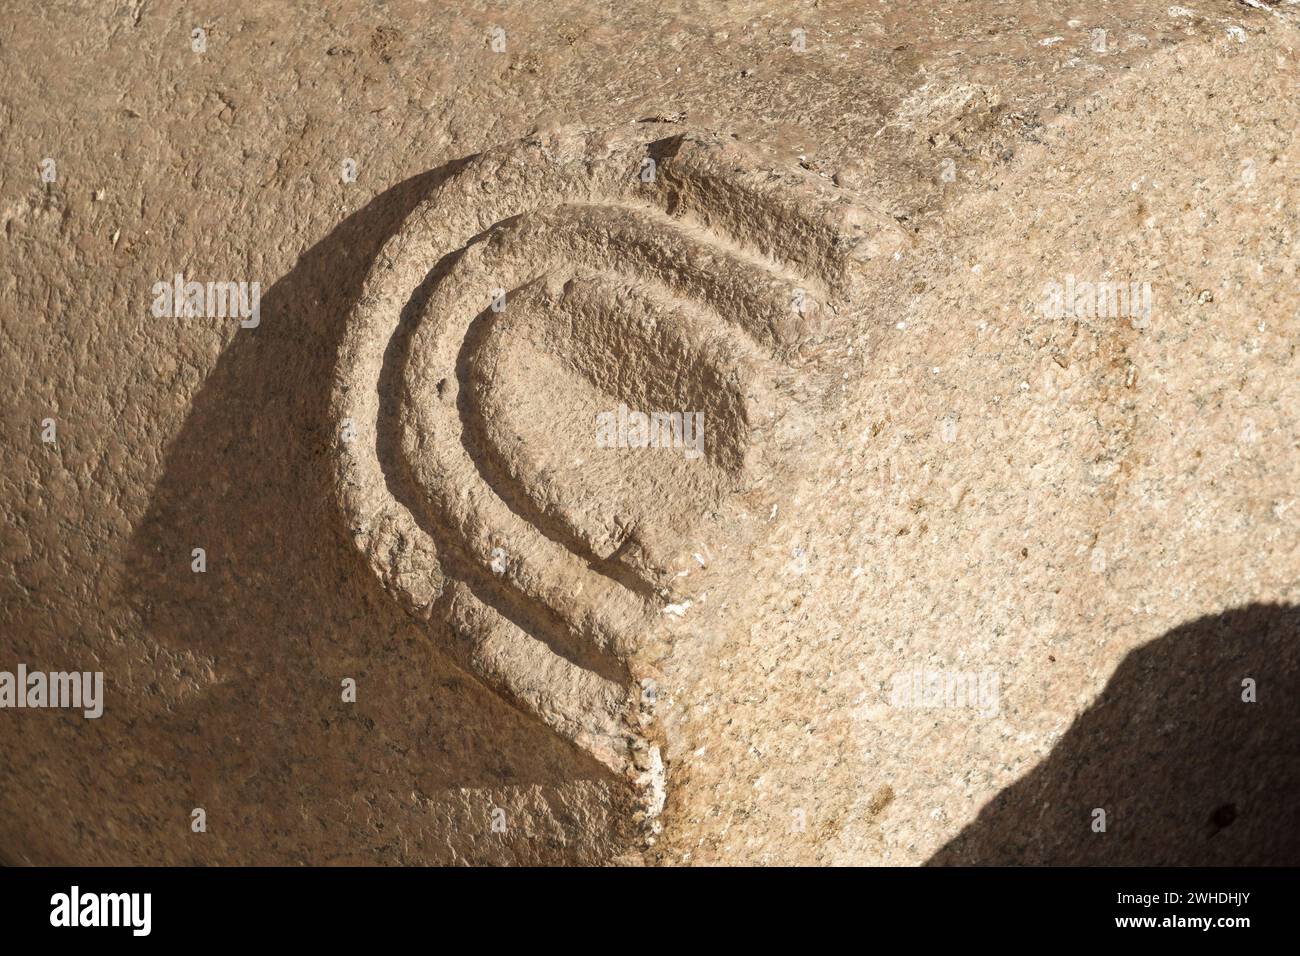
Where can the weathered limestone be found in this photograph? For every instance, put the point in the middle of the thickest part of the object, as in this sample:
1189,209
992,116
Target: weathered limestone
396,574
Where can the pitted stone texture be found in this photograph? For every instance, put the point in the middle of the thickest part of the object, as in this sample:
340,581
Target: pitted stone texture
946,517
580,273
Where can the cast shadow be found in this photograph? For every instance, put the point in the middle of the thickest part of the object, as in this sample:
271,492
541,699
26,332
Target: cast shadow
245,705
1189,774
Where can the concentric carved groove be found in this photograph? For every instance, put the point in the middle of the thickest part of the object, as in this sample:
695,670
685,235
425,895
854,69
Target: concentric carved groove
474,487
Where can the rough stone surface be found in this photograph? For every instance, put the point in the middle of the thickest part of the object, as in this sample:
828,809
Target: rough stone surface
572,654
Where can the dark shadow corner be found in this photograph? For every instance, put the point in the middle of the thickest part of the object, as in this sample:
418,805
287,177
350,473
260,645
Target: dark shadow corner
1188,773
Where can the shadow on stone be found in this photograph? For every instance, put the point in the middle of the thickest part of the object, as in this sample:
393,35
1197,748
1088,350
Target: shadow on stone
245,716
1187,771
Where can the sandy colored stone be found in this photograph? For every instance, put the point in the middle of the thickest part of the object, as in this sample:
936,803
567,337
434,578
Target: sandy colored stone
572,654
